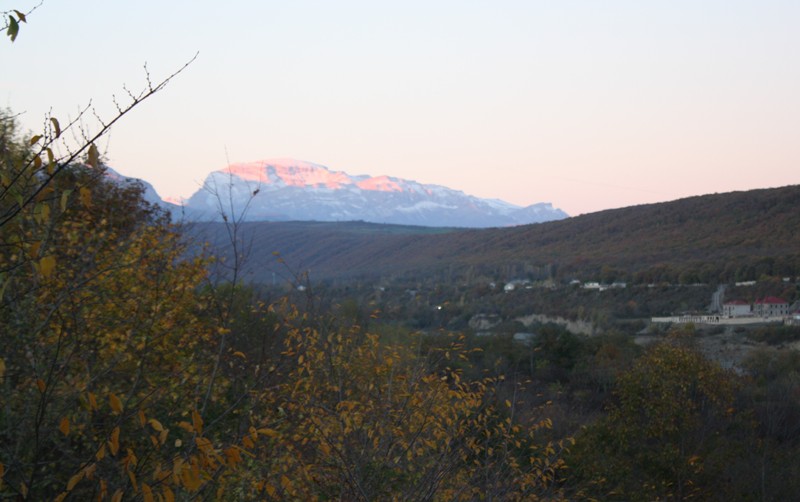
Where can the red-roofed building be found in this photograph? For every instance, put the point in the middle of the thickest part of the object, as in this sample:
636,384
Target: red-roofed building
736,308
771,306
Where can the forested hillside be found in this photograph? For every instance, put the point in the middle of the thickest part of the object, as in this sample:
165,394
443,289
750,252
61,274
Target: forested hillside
710,238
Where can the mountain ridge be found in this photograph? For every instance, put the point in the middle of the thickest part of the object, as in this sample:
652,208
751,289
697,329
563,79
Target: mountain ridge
286,189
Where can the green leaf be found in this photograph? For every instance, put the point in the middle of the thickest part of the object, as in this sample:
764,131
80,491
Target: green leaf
13,28
56,126
35,139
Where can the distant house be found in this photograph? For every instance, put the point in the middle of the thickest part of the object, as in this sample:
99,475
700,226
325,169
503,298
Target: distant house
736,308
771,306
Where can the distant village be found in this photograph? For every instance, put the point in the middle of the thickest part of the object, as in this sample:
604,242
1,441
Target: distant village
769,309
766,310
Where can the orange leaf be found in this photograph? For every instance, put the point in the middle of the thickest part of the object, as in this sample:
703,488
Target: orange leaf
116,404
186,426
63,426
74,481
197,422
155,424
113,443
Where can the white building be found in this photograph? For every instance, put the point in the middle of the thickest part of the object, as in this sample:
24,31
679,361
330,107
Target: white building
771,306
736,308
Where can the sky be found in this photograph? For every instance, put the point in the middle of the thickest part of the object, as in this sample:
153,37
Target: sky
587,105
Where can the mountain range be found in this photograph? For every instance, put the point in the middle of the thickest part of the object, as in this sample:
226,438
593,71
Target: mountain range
293,190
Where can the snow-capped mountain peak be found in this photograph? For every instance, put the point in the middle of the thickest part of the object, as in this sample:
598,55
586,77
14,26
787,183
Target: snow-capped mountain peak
289,189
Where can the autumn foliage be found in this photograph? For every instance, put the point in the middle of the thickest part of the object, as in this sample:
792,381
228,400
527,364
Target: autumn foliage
124,374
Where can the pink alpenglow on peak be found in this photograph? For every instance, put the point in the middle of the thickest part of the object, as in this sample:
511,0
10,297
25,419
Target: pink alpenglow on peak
293,190
178,201
298,173
380,184
289,172
253,171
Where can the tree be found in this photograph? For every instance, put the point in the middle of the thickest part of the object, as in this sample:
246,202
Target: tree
665,435
357,419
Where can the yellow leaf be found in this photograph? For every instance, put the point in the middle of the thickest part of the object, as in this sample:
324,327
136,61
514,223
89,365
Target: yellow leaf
61,497
268,432
35,139
155,424
23,489
85,196
117,497
93,156
116,404
41,385
2,371
56,126
92,401
101,453
147,493
270,490
63,426
168,495
240,354
46,265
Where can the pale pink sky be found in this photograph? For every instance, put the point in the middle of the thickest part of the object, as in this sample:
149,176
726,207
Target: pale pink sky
588,105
